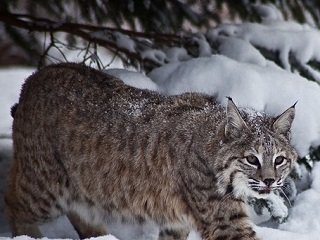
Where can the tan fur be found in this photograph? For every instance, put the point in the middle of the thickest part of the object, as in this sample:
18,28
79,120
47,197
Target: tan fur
89,146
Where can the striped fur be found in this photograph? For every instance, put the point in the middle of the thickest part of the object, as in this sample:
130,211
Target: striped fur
88,146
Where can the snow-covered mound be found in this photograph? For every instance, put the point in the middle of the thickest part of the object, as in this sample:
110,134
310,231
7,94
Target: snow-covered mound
266,89
133,79
305,214
288,39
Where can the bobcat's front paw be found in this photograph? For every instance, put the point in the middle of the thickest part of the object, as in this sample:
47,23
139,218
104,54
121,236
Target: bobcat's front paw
229,233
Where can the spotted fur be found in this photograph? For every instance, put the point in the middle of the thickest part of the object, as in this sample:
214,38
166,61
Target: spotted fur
88,146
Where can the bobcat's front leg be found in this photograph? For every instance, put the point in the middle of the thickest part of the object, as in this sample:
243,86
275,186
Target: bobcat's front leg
224,231
173,234
225,221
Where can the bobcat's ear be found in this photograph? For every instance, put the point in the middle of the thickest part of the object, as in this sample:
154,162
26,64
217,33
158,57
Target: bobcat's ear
283,122
235,124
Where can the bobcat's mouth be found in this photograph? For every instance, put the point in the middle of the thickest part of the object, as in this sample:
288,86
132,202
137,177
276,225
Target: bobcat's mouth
265,191
262,190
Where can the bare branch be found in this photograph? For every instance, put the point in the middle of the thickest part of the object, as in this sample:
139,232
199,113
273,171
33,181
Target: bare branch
46,51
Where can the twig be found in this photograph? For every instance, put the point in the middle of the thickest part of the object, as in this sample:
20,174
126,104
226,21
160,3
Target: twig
112,60
61,52
87,51
46,51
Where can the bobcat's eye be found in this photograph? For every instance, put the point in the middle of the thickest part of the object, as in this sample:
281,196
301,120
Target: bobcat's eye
279,160
253,160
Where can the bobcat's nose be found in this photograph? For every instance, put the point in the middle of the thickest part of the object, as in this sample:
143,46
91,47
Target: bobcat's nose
269,181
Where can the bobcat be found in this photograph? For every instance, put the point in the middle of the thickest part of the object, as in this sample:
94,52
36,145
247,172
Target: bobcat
88,146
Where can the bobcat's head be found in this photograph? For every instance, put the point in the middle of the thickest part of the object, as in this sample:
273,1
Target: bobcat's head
258,151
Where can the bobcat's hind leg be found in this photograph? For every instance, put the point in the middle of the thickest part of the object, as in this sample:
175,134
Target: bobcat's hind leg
173,234
27,207
85,229
30,230
20,222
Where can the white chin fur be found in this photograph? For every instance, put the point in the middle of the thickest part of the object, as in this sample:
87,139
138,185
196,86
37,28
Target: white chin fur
242,190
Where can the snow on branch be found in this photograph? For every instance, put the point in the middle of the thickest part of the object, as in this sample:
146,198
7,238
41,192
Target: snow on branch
125,43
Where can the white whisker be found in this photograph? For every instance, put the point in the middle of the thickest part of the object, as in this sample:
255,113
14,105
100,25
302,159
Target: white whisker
254,185
288,200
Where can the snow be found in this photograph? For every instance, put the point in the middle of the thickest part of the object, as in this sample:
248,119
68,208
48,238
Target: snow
240,50
10,85
176,54
204,46
268,12
274,234
305,214
155,55
263,88
276,35
133,79
125,42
